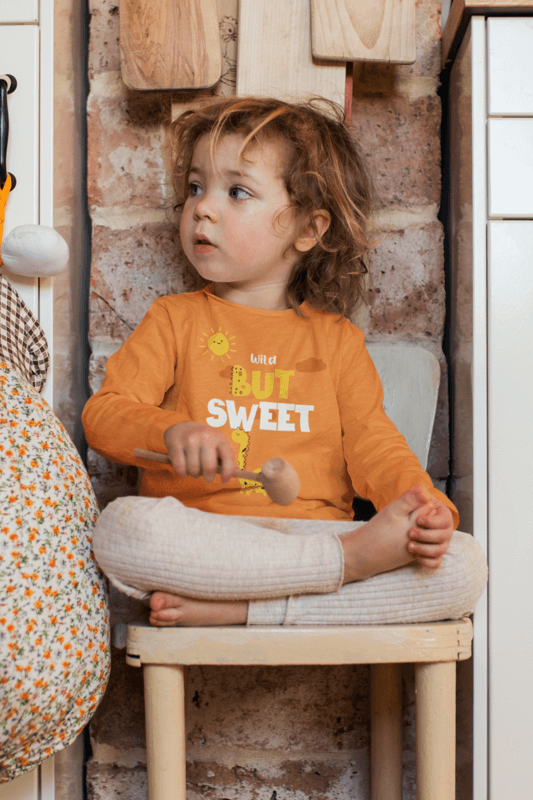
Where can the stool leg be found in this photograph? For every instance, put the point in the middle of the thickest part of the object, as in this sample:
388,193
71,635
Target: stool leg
386,731
164,701
435,730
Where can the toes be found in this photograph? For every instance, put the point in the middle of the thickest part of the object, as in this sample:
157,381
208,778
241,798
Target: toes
166,617
412,500
157,601
162,600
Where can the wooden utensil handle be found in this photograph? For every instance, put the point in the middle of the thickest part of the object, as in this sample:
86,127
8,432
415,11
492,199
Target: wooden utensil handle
152,455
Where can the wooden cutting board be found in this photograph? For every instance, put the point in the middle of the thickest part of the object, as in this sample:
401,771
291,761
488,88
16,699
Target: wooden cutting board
275,56
169,44
364,30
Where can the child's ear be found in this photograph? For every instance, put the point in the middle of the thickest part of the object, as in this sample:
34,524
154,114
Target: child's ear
313,231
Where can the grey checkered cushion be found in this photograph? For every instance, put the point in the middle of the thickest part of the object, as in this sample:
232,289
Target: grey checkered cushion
22,341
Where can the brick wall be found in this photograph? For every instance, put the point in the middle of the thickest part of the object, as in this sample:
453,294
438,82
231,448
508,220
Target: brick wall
261,733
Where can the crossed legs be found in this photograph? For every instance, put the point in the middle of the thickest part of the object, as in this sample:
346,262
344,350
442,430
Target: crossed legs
204,569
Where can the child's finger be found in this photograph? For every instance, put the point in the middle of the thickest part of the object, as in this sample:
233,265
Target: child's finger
192,458
431,563
178,461
226,458
208,460
427,550
430,535
435,517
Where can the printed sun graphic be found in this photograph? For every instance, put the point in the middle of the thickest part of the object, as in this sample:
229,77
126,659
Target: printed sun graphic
218,344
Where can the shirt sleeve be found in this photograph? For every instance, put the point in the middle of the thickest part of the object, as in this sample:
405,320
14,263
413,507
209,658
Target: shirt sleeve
380,464
124,413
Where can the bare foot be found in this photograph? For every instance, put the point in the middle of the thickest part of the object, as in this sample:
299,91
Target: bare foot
172,610
381,544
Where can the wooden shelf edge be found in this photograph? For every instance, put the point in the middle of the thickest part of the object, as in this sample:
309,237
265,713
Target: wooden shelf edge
460,14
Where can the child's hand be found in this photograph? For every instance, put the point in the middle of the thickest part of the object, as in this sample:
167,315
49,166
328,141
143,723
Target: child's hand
196,449
431,537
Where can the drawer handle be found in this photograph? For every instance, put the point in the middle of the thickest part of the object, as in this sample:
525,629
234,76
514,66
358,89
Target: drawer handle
8,84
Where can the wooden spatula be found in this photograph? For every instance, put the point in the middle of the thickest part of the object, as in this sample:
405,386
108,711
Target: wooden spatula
169,44
364,30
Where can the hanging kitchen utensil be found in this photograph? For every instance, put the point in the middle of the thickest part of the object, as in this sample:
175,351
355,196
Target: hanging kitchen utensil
169,44
364,30
8,84
275,58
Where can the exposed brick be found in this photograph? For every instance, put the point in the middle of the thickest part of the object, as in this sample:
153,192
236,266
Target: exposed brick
104,52
125,166
314,777
130,270
119,719
407,291
255,707
399,139
108,782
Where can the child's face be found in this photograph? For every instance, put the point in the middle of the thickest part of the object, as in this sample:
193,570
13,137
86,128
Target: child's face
231,229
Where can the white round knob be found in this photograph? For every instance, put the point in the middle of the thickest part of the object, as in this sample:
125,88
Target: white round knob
35,251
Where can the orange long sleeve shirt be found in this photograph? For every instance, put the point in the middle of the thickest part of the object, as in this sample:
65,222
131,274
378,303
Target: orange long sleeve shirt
276,384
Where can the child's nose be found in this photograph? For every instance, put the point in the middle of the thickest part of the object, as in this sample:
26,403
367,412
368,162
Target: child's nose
205,208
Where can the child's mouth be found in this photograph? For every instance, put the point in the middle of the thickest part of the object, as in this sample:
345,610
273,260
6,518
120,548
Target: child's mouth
202,245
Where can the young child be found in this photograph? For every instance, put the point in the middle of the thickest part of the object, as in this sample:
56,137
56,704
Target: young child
263,362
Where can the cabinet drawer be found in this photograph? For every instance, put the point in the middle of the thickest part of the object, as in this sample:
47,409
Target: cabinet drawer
510,66
510,168
19,11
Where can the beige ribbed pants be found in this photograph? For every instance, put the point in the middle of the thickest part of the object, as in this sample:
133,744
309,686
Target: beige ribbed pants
290,570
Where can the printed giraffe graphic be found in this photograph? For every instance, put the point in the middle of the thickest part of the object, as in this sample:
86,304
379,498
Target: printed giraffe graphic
242,438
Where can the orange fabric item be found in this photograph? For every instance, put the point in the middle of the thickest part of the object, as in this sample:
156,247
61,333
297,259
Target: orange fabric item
4,194
303,389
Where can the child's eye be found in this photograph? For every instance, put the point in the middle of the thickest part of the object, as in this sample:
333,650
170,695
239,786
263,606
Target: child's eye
238,193
194,189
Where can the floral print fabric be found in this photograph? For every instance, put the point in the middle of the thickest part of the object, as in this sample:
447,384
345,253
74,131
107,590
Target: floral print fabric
54,633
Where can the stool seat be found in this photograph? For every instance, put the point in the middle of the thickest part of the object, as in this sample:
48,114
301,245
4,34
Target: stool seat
263,645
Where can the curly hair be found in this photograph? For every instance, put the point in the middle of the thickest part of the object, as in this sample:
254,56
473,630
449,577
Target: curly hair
323,170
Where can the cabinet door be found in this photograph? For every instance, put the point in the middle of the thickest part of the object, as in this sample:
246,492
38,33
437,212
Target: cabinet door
19,56
510,475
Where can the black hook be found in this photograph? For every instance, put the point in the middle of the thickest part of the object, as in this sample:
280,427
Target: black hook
8,84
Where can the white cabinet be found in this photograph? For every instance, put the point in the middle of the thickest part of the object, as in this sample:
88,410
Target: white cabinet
491,239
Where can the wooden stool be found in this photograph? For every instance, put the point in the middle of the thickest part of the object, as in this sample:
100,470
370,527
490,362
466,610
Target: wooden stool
434,648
